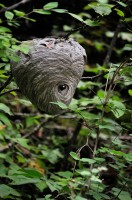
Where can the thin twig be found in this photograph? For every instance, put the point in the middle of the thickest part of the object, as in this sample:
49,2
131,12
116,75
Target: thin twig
94,77
8,91
14,6
7,82
36,128
123,186
112,44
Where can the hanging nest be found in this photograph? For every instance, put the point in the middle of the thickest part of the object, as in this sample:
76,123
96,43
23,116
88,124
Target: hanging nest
50,72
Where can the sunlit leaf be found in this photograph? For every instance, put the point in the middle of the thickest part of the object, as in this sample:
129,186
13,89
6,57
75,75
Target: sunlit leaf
76,16
50,5
60,10
90,22
9,15
5,109
74,155
41,11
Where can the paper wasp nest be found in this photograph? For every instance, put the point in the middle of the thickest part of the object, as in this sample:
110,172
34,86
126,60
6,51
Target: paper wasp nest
50,72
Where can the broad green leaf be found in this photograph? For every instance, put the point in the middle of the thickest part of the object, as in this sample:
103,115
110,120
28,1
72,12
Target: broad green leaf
128,156
4,29
88,116
5,109
74,155
41,11
60,10
60,104
22,141
50,5
6,190
102,9
84,172
51,186
65,174
21,180
76,16
31,173
41,186
87,160
90,22
5,120
117,108
9,15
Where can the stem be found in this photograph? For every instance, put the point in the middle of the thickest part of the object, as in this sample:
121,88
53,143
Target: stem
112,44
8,91
14,6
6,83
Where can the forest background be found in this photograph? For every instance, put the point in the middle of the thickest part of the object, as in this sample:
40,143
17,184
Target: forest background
85,153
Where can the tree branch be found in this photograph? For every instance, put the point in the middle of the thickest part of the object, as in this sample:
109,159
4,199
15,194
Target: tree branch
6,83
14,6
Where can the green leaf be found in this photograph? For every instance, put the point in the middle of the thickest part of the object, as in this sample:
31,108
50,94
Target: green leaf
121,194
51,186
22,142
84,172
130,92
74,155
2,65
5,109
24,48
60,10
50,5
60,104
76,16
65,174
128,19
90,22
122,4
31,173
117,108
87,160
2,5
9,15
21,180
6,190
19,13
5,120
4,29
41,186
119,12
41,11
79,198
102,9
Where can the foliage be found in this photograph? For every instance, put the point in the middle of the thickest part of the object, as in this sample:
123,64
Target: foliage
85,153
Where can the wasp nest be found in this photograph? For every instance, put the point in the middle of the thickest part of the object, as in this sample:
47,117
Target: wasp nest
50,72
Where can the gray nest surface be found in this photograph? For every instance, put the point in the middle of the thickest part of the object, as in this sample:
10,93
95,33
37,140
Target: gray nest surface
50,72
